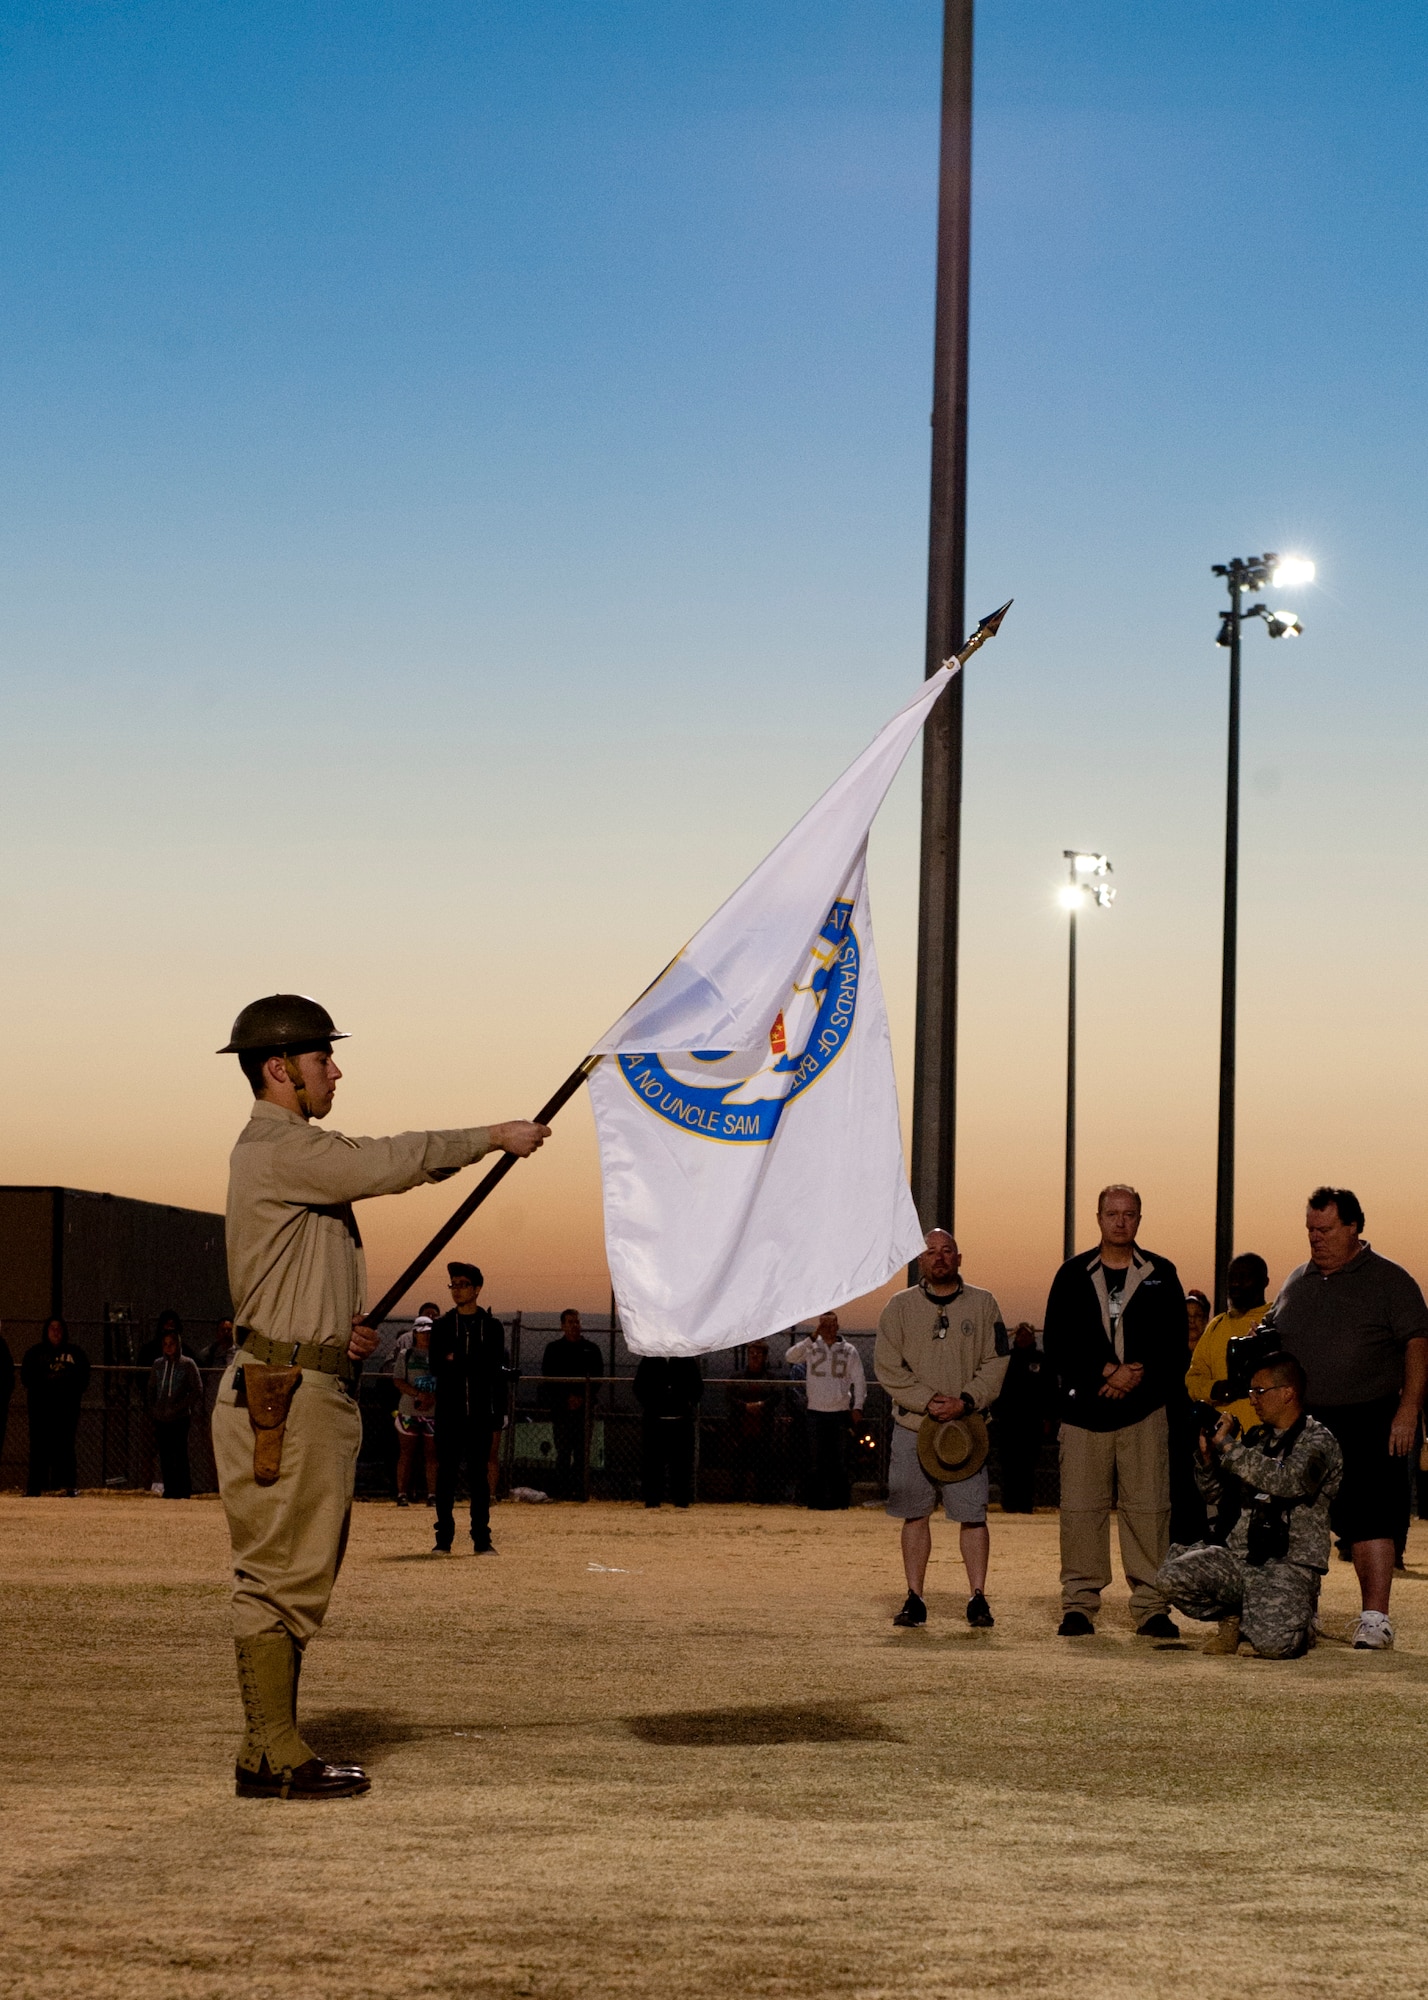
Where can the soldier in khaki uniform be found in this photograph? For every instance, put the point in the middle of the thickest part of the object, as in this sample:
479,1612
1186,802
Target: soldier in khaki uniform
942,1352
286,1425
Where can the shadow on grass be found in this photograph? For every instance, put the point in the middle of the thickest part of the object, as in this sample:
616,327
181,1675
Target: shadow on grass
697,1728
363,1734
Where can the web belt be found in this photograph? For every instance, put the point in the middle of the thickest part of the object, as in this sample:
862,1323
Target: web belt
327,1359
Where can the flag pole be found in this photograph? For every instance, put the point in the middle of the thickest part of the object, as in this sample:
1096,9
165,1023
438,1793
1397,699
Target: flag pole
486,1185
934,1089
987,629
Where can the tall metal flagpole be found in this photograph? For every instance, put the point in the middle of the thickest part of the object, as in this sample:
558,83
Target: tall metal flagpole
1229,968
1068,1207
934,1100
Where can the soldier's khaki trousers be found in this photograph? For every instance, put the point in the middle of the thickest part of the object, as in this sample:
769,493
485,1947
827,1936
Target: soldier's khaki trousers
1129,1468
288,1538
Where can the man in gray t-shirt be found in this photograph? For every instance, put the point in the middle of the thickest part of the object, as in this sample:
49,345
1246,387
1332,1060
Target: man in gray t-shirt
1358,1326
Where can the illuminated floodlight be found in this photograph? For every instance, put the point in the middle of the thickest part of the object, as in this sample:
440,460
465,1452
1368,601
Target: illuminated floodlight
1290,571
1090,864
1071,897
1105,895
1283,625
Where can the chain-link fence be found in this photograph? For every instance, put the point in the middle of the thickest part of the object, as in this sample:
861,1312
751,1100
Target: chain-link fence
750,1439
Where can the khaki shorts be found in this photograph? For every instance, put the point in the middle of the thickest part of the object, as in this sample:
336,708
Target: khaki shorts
912,1495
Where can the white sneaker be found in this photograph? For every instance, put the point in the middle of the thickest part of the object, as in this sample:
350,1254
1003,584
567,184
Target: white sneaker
1373,1633
158,1487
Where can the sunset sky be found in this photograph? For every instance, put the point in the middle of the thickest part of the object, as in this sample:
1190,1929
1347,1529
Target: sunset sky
465,494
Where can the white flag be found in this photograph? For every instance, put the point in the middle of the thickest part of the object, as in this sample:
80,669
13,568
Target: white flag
747,1113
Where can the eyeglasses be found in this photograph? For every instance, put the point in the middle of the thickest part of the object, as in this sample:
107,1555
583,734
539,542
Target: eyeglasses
1274,1389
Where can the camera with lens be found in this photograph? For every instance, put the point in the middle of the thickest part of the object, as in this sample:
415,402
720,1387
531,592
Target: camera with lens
1245,1353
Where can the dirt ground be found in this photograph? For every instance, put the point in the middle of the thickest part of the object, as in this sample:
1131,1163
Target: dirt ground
687,1754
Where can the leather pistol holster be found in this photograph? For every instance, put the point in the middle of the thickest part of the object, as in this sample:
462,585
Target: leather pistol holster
269,1393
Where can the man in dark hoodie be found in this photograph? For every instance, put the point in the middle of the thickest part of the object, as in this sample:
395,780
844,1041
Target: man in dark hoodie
55,1374
1115,1335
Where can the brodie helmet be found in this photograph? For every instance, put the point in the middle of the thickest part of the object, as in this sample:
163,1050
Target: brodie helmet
283,1024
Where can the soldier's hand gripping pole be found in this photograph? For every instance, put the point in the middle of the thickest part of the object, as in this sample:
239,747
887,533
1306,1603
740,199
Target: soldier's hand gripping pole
473,1201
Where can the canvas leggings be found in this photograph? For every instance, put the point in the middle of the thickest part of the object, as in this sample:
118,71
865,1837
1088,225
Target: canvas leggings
1129,1468
1275,1602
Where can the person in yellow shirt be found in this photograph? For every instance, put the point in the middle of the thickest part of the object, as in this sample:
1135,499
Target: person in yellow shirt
1247,1283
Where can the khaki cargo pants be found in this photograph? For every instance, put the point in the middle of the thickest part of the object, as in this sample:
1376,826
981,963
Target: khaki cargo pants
288,1538
1130,1469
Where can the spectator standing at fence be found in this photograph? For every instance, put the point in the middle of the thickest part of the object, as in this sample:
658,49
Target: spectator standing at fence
669,1390
224,1346
7,1388
1280,1481
1021,1417
415,1414
1358,1327
172,1395
168,1321
1197,1316
430,1312
1246,1282
1115,1334
470,1363
570,1401
941,1354
55,1374
835,1385
755,1407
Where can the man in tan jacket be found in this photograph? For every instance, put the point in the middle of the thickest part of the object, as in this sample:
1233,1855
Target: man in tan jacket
941,1351
286,1425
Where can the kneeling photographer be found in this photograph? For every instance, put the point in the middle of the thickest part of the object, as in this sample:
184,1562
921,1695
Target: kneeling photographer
1279,1481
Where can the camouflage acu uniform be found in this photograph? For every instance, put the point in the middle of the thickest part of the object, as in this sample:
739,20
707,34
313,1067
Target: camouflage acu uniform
1267,1573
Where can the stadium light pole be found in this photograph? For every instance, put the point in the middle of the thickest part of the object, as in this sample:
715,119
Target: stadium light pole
1245,576
934,1093
1086,887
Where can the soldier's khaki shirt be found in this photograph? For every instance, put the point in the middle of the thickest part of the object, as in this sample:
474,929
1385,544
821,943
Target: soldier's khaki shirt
914,1365
295,1263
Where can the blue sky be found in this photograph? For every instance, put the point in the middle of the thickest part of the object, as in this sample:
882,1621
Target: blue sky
466,476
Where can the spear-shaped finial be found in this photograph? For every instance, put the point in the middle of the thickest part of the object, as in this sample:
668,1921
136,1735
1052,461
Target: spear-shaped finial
988,629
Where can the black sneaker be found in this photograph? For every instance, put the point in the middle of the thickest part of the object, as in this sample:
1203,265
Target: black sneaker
486,1548
1075,1625
1158,1626
402,1500
914,1611
979,1612
442,1549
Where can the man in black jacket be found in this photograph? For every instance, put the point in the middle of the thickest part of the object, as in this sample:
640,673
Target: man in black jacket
669,1390
1115,1335
470,1365
568,1364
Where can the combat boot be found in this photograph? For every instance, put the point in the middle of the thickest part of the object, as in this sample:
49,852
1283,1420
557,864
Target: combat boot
1227,1639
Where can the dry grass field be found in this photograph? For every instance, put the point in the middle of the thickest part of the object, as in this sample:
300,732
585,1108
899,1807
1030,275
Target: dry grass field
687,1755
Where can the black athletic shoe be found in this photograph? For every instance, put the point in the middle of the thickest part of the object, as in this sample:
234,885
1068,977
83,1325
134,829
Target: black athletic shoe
402,1500
442,1549
1075,1625
486,1548
979,1612
1158,1627
914,1611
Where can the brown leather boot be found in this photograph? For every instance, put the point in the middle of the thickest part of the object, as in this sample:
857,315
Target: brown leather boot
1226,1640
312,1780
